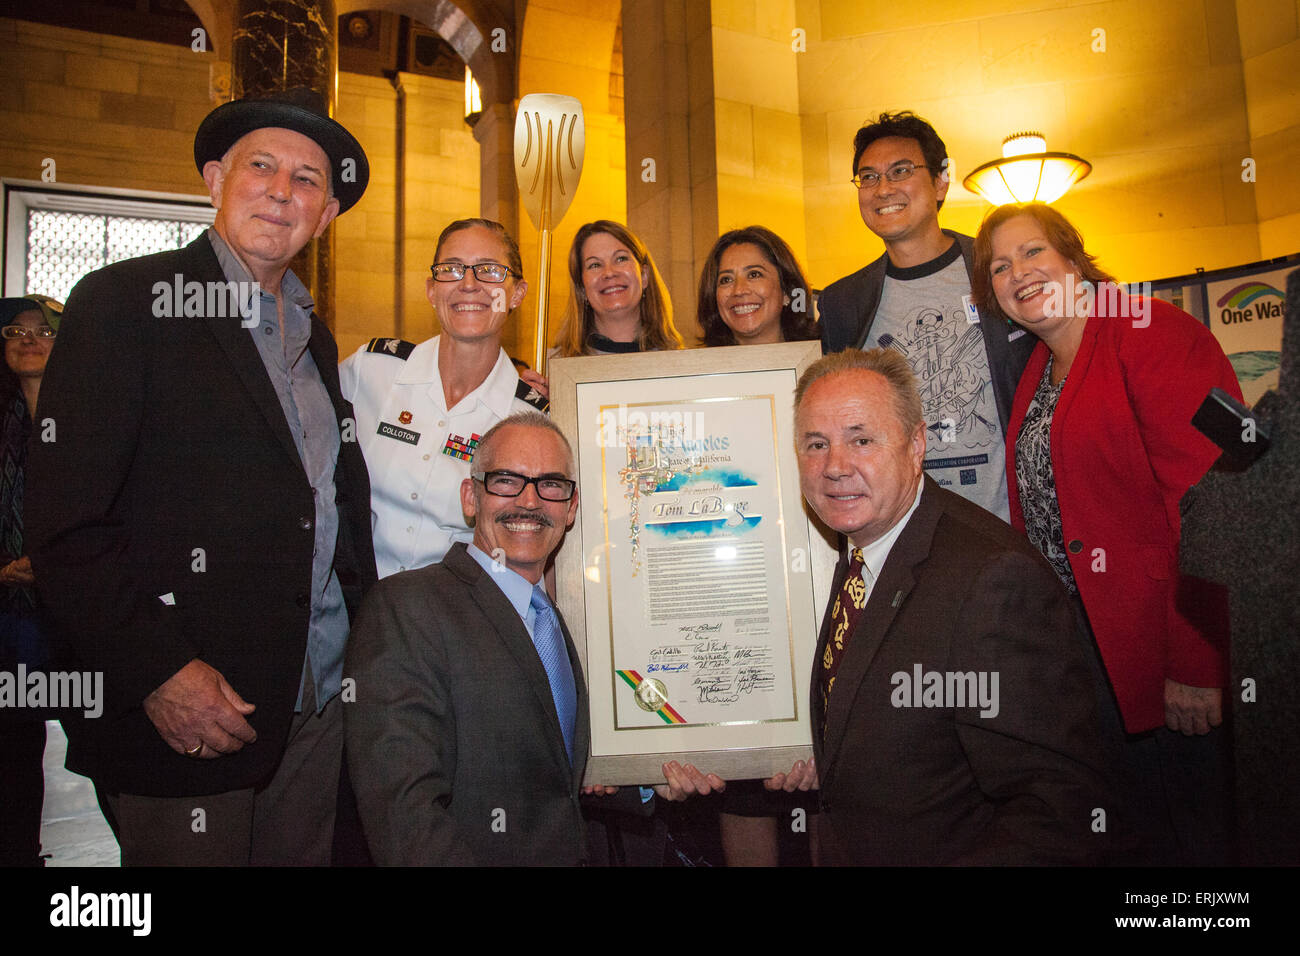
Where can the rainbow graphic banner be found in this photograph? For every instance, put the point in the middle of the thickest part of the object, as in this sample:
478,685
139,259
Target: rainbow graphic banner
1246,318
1240,296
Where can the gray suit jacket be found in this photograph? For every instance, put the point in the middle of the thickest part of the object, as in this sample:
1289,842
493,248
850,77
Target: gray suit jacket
452,741
961,592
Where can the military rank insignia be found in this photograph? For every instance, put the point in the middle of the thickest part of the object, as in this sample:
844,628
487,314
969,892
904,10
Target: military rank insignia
526,393
399,348
458,447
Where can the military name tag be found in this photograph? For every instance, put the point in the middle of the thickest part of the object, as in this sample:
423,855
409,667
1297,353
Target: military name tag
401,434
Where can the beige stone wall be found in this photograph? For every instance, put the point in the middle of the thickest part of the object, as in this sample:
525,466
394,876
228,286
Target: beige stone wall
672,183
368,295
109,111
1184,92
757,119
1269,32
568,48
122,113
1165,114
413,194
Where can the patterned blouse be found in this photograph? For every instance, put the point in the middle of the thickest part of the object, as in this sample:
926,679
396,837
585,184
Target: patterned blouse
1037,486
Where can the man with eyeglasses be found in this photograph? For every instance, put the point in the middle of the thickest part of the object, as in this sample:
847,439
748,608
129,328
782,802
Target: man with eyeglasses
916,299
421,410
468,737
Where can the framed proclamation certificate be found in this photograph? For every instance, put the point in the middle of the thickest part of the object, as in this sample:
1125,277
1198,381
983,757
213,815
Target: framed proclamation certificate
687,580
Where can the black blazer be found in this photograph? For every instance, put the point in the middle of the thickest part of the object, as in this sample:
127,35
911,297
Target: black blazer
171,471
961,592
453,743
847,308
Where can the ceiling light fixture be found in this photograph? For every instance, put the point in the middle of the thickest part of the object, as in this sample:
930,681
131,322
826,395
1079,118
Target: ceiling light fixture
1027,172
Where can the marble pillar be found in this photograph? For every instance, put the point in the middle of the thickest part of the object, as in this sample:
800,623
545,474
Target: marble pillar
277,45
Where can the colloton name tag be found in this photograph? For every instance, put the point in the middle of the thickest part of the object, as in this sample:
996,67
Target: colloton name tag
401,434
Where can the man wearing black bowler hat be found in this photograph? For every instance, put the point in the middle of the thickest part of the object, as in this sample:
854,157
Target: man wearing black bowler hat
199,514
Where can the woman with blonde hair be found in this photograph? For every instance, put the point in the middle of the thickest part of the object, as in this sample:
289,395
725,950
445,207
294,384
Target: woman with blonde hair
618,301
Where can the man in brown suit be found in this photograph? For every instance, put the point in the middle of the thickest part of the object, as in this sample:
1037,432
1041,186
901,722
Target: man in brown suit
952,698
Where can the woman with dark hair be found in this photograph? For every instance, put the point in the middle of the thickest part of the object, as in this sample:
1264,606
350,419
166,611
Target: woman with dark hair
752,291
420,408
28,326
1100,450
618,301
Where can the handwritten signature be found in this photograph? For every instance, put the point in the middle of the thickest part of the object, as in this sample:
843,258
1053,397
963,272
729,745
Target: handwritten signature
668,668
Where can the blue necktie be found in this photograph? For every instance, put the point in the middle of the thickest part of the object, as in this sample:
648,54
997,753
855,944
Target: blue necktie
549,641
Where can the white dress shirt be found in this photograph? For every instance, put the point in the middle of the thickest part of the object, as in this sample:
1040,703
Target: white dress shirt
407,435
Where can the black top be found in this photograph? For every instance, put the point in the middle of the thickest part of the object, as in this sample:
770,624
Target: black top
599,343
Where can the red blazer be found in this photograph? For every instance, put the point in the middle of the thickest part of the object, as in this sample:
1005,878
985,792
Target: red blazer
1124,452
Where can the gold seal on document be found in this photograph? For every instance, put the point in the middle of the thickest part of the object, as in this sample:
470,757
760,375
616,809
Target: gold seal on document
651,694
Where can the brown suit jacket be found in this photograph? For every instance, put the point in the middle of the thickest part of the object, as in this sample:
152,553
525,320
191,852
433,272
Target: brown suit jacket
961,592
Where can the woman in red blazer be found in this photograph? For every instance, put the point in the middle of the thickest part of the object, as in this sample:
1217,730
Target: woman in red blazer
1100,450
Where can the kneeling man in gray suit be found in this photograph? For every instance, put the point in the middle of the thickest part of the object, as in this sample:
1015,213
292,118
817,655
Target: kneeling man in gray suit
468,735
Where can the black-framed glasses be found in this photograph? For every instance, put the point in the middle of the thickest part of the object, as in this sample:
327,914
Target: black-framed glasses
21,332
506,484
483,271
896,173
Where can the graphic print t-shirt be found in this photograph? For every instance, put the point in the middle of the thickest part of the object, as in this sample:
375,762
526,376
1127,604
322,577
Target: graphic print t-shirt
924,314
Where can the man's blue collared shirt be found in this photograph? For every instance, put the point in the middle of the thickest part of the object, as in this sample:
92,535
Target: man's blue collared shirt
314,426
512,584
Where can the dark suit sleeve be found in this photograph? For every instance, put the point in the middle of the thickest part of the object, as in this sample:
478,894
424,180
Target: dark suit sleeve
400,731
78,511
1038,759
832,319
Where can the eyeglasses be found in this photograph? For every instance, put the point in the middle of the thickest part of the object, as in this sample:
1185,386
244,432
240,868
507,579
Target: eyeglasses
506,484
21,331
895,174
483,271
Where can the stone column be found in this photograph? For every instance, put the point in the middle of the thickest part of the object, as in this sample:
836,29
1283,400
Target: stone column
672,170
277,45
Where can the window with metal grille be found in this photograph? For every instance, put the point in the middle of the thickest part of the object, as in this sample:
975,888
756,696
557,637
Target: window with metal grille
64,246
53,237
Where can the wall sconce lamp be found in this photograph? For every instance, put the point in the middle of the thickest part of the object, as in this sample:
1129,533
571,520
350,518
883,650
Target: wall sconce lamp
473,99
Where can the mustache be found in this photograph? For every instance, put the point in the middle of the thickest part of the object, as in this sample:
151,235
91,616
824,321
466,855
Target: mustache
540,517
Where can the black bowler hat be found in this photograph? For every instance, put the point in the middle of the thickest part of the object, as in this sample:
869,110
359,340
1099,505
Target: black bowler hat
300,109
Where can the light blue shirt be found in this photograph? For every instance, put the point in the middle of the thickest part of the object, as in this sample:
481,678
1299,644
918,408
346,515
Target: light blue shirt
310,416
516,588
